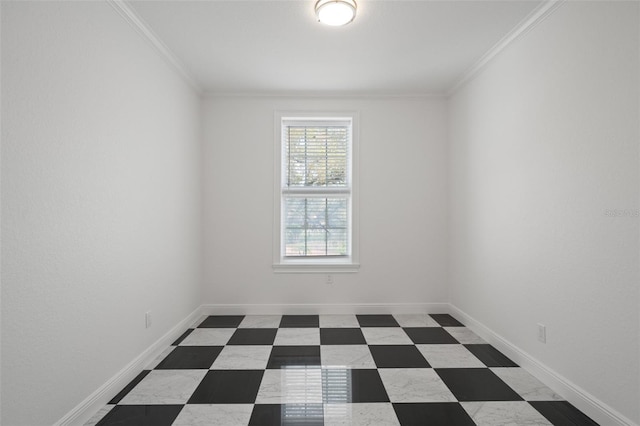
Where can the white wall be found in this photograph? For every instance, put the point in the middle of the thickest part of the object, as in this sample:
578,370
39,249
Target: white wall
101,210
402,204
543,142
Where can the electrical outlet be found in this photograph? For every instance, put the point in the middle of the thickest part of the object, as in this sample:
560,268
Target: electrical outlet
542,333
147,319
329,279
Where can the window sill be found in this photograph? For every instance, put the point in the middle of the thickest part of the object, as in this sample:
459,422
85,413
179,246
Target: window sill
315,268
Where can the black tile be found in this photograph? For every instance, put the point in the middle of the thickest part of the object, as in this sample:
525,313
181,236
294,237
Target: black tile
341,336
130,386
398,356
222,321
377,321
300,321
446,320
432,414
228,387
253,336
429,335
476,384
342,385
190,357
141,415
294,356
490,356
181,338
562,413
287,415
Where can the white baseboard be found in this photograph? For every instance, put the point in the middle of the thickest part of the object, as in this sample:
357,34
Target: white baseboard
325,309
581,399
98,399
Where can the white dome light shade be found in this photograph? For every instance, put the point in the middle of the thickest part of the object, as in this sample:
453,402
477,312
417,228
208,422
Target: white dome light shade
336,12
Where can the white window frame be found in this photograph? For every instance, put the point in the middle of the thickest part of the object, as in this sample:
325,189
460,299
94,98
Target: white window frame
342,264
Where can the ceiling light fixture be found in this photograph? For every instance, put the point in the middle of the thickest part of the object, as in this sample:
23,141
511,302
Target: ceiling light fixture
336,12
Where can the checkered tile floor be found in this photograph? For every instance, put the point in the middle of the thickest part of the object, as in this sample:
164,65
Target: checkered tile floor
335,370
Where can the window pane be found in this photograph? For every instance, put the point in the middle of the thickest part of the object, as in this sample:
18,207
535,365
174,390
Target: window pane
316,213
316,226
337,213
295,242
337,242
316,156
295,212
316,242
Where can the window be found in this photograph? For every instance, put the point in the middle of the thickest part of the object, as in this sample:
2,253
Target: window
315,229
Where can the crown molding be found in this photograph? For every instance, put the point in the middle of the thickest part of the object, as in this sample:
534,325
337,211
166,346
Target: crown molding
145,31
538,15
527,24
325,95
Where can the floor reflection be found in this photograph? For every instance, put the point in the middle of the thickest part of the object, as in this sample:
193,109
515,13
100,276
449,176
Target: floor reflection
301,414
301,384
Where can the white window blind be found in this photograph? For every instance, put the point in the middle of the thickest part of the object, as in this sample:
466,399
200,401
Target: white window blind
316,188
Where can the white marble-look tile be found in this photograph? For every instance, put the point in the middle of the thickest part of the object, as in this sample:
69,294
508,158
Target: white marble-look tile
364,414
165,387
415,320
349,356
339,321
386,336
99,415
157,360
208,337
297,336
242,357
527,386
449,356
291,385
464,335
214,415
504,413
261,321
415,385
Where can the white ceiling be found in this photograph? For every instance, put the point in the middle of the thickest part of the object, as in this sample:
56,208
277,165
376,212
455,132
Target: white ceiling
392,47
